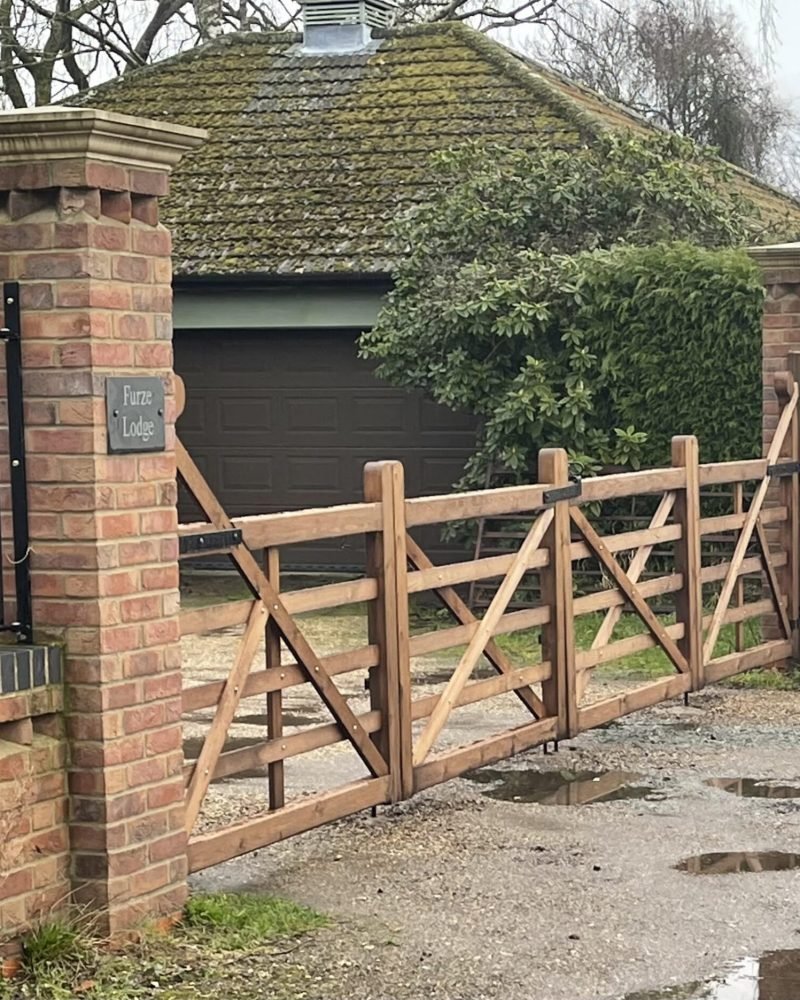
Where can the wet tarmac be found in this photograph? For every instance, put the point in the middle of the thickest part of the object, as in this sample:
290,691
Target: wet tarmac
559,788
755,788
732,862
775,976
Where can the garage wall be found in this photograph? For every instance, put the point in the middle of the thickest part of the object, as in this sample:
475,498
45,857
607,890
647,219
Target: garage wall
285,419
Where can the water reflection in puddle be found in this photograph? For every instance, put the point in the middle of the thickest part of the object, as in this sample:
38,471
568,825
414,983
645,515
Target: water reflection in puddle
776,976
755,788
729,862
559,788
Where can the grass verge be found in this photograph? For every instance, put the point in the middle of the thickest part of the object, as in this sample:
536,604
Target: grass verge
230,945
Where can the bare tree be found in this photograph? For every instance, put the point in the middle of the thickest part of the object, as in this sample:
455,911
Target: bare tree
50,48
682,64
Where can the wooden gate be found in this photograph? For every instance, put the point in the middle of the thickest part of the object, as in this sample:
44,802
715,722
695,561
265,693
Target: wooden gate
406,737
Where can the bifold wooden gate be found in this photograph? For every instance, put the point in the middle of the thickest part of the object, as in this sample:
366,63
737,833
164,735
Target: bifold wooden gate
405,737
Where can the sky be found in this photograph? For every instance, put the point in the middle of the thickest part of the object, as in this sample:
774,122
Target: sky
785,54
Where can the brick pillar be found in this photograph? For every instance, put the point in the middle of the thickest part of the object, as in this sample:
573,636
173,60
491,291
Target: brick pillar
780,336
79,229
781,326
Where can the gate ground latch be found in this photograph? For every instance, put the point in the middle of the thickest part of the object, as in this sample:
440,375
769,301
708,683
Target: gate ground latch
780,469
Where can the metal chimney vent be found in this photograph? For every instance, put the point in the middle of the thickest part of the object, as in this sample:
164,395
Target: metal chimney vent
343,25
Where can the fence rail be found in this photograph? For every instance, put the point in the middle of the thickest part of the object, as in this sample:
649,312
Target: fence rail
404,735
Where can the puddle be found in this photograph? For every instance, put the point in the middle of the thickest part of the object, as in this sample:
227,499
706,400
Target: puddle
755,788
729,862
559,788
289,719
775,976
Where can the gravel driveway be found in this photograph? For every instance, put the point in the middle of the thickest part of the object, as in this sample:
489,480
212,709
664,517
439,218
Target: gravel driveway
460,896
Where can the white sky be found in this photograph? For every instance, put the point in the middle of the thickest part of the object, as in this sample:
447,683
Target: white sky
787,50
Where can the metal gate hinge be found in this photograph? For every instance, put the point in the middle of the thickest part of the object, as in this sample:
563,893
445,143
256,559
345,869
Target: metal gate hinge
783,469
209,541
568,492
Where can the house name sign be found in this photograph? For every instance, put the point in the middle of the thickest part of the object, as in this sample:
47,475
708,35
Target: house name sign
135,414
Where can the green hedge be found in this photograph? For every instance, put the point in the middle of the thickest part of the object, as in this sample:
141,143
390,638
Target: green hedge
679,330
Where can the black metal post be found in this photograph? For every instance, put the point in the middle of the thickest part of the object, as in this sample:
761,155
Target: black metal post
23,624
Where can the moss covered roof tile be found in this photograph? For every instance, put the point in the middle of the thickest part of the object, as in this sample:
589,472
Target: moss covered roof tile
309,158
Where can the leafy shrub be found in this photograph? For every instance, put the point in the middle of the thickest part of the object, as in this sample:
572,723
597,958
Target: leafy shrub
589,300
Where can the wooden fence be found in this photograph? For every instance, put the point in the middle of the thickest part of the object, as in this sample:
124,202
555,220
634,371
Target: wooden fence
403,737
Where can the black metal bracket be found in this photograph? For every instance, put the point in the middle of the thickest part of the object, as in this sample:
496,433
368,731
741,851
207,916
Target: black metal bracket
11,331
569,492
793,624
209,541
783,469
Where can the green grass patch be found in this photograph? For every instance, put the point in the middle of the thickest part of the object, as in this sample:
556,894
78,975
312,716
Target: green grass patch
239,920
766,680
223,948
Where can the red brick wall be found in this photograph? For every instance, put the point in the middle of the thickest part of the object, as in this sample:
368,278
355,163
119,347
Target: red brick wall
34,832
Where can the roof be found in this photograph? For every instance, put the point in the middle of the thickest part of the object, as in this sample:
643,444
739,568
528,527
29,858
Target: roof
309,158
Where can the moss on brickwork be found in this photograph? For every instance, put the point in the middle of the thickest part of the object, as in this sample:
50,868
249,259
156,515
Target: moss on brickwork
309,158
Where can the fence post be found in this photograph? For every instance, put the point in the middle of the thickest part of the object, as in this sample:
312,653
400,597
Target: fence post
689,600
272,656
390,680
559,693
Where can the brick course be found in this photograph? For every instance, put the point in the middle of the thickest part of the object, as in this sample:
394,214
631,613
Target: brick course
34,834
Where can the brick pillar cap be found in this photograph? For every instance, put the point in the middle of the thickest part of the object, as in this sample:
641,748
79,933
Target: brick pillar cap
779,254
50,134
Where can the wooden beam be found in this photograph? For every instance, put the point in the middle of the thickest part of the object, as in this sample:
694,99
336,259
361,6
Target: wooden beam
721,473
290,675
559,693
445,638
272,656
451,763
478,503
689,599
483,634
264,531
226,709
629,590
632,701
241,838
757,656
629,484
772,581
749,527
493,653
390,681
635,570
290,633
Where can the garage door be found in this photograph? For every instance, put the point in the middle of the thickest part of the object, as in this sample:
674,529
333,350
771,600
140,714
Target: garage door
279,420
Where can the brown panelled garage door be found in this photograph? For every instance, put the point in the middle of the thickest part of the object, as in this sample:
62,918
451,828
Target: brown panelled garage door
279,420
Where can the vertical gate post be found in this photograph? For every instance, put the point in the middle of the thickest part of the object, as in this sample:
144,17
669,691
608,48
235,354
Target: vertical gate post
559,693
789,532
390,681
80,233
689,599
272,655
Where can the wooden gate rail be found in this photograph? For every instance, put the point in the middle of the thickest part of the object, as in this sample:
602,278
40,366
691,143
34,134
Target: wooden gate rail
404,737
